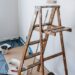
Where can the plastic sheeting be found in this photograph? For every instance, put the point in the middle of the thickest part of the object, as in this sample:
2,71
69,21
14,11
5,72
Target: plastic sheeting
3,65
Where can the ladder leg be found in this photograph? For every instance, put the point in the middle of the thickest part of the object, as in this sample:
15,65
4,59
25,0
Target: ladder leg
41,42
47,35
64,55
62,43
27,43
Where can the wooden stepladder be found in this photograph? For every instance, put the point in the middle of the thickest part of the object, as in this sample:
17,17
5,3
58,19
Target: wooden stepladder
47,29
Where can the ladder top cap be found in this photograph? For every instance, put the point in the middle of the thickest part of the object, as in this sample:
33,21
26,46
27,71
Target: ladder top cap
48,6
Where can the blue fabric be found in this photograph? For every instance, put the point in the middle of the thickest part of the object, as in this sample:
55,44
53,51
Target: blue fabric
14,43
3,65
30,51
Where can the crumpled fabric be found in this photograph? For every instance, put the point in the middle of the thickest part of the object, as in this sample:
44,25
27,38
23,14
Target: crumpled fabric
3,65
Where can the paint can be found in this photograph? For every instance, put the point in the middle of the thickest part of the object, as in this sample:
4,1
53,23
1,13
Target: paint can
5,48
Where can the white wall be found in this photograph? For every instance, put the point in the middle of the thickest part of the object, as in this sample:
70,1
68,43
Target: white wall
8,19
26,9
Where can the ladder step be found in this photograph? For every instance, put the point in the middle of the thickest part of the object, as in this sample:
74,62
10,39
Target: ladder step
33,55
63,29
54,29
45,24
33,65
30,66
45,59
53,56
48,6
59,29
35,42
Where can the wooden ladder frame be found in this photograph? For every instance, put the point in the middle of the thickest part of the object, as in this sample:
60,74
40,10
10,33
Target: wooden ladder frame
42,41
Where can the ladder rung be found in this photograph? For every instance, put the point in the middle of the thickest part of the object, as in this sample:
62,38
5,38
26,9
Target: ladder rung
33,65
53,56
63,29
37,41
46,24
58,29
48,6
33,55
45,59
54,29
51,30
30,66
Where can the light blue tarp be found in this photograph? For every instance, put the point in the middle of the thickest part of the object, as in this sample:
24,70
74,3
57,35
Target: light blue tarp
3,65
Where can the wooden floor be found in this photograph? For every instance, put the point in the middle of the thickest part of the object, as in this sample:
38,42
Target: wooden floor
17,53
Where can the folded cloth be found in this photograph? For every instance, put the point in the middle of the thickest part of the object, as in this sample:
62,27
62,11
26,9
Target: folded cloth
3,65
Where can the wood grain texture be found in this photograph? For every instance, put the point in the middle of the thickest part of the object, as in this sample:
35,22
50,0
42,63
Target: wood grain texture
51,29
